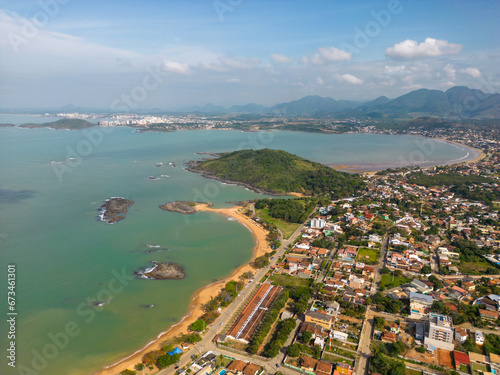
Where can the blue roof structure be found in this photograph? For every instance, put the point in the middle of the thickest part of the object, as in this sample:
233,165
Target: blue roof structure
175,351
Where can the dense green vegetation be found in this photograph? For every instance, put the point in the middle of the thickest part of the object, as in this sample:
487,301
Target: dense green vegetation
279,338
387,304
267,322
384,365
291,210
198,326
225,297
492,344
280,172
301,298
285,227
471,253
167,360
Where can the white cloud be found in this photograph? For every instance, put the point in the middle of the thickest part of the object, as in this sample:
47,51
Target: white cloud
473,72
327,55
450,71
349,78
57,53
282,59
332,54
227,63
397,69
234,80
176,67
410,49
320,81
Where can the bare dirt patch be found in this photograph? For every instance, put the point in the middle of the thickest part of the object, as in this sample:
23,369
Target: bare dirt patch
445,359
422,357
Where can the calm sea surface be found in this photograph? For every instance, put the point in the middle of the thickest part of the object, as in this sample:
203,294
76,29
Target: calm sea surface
52,183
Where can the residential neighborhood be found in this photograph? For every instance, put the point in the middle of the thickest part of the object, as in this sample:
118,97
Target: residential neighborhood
403,278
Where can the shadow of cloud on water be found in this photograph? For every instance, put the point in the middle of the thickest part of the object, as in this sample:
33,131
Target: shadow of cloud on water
13,196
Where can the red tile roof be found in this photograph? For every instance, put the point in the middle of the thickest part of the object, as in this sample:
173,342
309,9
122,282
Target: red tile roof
461,358
236,365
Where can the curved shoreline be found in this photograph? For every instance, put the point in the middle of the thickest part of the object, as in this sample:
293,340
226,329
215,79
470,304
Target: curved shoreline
374,168
200,296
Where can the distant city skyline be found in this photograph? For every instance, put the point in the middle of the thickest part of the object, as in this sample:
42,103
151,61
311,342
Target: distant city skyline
175,54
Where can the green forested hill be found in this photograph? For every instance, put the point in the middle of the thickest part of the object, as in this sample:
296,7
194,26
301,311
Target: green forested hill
279,172
73,124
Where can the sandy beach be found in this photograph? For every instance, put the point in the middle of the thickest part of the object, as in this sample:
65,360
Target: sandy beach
201,296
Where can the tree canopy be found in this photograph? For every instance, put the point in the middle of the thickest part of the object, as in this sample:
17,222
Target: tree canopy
280,172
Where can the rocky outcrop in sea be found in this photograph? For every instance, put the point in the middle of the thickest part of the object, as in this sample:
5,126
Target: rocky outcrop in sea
114,209
164,271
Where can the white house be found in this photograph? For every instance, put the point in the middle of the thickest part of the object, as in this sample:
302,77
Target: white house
479,337
318,223
339,335
461,335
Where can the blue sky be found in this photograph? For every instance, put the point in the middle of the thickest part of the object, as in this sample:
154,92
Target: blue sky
91,53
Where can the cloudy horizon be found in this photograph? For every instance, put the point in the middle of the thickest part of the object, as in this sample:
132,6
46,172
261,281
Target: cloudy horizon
175,54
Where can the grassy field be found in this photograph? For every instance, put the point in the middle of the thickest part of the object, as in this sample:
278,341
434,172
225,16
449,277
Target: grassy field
386,224
388,283
285,280
286,228
409,371
368,256
473,268
478,368
335,359
334,350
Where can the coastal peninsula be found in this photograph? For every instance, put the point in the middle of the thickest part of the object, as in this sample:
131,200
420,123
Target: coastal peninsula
69,124
276,172
114,209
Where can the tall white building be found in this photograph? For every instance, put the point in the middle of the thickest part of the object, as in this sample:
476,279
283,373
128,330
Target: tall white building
318,223
440,333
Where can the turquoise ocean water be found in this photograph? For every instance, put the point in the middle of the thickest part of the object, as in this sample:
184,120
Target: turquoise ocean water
65,258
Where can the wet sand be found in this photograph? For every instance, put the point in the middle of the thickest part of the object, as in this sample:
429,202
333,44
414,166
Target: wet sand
201,296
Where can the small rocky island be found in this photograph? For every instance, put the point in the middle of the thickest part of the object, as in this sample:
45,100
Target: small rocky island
114,209
164,271
183,207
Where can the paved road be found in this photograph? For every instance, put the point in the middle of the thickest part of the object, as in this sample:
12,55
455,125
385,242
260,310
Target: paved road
366,332
207,344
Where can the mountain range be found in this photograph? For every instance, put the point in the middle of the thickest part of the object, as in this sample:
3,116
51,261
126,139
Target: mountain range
458,101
